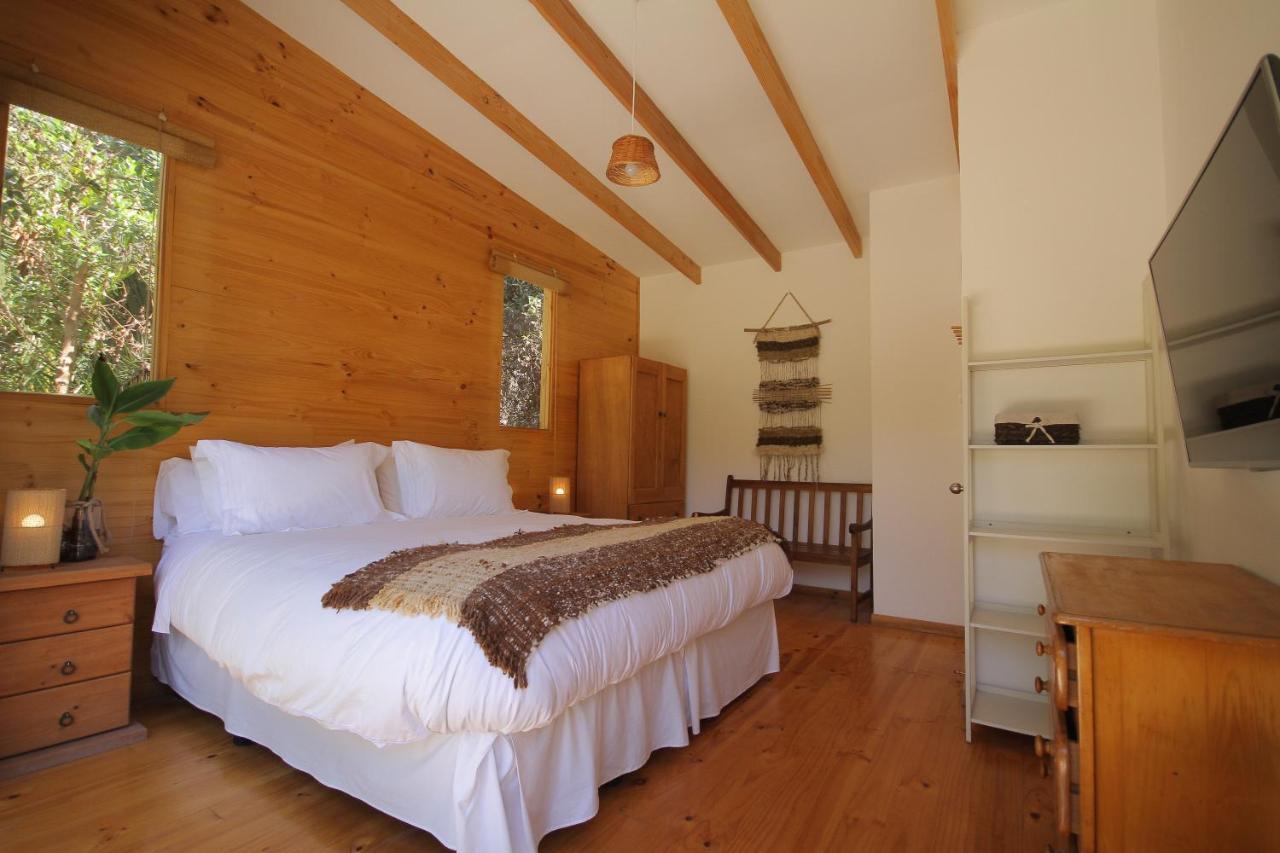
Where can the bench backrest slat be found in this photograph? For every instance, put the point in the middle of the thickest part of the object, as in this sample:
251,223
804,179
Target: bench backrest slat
814,515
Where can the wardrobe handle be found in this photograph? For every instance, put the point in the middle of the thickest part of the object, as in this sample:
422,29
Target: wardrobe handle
66,719
70,616
68,667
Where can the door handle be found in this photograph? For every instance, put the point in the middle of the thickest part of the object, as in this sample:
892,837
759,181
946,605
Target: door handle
956,488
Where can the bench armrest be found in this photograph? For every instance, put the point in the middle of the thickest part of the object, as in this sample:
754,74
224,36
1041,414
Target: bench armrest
860,528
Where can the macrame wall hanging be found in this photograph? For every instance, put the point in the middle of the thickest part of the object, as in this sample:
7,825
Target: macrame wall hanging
790,397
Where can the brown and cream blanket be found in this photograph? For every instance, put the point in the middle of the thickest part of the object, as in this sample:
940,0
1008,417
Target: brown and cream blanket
510,592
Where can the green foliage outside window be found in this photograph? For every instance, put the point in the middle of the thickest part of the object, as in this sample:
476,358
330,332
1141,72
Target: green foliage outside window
78,240
523,347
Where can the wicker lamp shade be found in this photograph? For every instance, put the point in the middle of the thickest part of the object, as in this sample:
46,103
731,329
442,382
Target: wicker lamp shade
32,532
633,163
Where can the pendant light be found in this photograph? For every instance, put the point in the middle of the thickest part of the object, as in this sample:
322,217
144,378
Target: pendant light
633,163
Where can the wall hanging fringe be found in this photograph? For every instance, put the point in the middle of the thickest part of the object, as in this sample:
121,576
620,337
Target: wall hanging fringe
790,397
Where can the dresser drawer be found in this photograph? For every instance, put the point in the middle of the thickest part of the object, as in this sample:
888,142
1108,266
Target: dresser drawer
46,717
29,613
54,661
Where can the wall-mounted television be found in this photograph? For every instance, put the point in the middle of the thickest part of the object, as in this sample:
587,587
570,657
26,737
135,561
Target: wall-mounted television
1217,284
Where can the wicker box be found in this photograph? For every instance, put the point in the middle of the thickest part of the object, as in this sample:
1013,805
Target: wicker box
1251,405
1037,428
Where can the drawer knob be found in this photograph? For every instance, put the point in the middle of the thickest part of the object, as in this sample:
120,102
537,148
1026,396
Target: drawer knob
67,668
71,616
1041,685
1039,609
1040,649
66,719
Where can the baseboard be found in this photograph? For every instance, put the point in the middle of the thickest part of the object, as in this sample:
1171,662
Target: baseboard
825,592
922,625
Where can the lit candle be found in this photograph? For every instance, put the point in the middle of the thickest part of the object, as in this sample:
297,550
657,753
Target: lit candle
561,501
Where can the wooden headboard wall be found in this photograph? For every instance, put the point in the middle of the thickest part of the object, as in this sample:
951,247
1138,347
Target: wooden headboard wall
327,279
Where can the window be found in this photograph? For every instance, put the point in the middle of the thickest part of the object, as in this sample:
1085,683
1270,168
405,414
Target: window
78,247
526,354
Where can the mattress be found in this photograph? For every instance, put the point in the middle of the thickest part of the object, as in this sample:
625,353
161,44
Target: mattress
251,604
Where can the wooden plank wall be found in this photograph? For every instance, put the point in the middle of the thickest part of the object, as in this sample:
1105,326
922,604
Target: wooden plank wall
327,279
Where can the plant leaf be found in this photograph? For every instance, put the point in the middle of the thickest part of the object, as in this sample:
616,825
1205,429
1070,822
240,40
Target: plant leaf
155,417
96,417
89,447
142,436
142,394
105,385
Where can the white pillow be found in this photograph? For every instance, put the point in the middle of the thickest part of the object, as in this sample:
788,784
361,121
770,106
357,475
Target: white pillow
438,482
389,483
269,489
179,505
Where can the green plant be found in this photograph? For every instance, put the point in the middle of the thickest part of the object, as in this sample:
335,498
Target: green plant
118,406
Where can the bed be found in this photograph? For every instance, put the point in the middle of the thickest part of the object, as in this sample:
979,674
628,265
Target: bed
406,713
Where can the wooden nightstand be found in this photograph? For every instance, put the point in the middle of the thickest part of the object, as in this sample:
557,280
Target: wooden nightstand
66,651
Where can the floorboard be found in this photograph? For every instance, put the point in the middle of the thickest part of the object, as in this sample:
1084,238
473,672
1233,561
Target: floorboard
857,744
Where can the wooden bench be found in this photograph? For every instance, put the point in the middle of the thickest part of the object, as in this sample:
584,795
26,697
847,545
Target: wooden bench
829,522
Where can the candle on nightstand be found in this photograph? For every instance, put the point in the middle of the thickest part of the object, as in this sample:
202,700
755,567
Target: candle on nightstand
32,532
560,499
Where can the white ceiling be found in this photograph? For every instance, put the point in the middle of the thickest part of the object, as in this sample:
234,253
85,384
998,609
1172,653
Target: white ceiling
976,13
867,74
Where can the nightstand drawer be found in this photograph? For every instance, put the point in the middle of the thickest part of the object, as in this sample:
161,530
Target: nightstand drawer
46,717
67,659
46,611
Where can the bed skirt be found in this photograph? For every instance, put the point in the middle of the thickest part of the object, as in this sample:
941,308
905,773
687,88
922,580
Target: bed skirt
497,792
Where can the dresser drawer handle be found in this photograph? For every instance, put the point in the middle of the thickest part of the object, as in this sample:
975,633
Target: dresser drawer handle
1040,610
1040,649
71,616
68,667
1041,685
66,719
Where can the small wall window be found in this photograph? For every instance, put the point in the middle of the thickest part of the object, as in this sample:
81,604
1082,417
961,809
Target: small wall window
78,252
527,311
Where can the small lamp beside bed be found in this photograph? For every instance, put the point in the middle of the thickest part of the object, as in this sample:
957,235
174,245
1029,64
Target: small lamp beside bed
560,496
32,533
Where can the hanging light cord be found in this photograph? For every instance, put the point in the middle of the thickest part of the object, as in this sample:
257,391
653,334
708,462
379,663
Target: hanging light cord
635,49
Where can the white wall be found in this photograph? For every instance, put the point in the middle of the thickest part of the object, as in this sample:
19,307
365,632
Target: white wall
699,327
916,430
1062,188
1207,51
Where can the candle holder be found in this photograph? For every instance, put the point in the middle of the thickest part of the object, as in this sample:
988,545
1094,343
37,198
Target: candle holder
32,533
560,496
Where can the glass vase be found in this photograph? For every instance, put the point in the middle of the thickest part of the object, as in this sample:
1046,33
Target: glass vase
84,532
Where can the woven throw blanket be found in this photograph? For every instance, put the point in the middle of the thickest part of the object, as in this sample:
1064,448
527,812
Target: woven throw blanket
510,592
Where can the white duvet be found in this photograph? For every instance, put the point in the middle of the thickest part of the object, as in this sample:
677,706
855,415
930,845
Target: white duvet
252,603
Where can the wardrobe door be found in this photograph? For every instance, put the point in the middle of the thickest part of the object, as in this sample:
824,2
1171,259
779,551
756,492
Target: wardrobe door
671,418
646,432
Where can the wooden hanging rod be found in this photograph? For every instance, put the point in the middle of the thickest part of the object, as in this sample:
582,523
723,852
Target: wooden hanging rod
811,323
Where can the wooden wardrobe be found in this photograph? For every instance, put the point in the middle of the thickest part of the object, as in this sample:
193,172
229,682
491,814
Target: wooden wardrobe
631,438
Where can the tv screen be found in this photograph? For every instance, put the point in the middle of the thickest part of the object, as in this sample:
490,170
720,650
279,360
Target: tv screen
1217,283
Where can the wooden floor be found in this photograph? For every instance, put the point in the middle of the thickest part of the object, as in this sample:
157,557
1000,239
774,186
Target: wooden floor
856,744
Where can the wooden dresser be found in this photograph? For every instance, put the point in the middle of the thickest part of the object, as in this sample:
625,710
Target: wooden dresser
1165,693
631,438
66,649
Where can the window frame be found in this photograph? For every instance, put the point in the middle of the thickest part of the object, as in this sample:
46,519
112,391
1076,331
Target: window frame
546,385
164,218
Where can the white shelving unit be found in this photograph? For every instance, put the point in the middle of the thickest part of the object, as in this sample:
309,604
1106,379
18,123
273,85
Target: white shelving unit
1024,499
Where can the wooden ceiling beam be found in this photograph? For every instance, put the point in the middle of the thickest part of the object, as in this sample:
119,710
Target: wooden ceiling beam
746,29
406,34
604,63
947,34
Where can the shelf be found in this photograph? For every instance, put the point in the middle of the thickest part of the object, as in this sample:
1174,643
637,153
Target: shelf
1084,445
1048,533
1099,357
1011,620
1025,713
